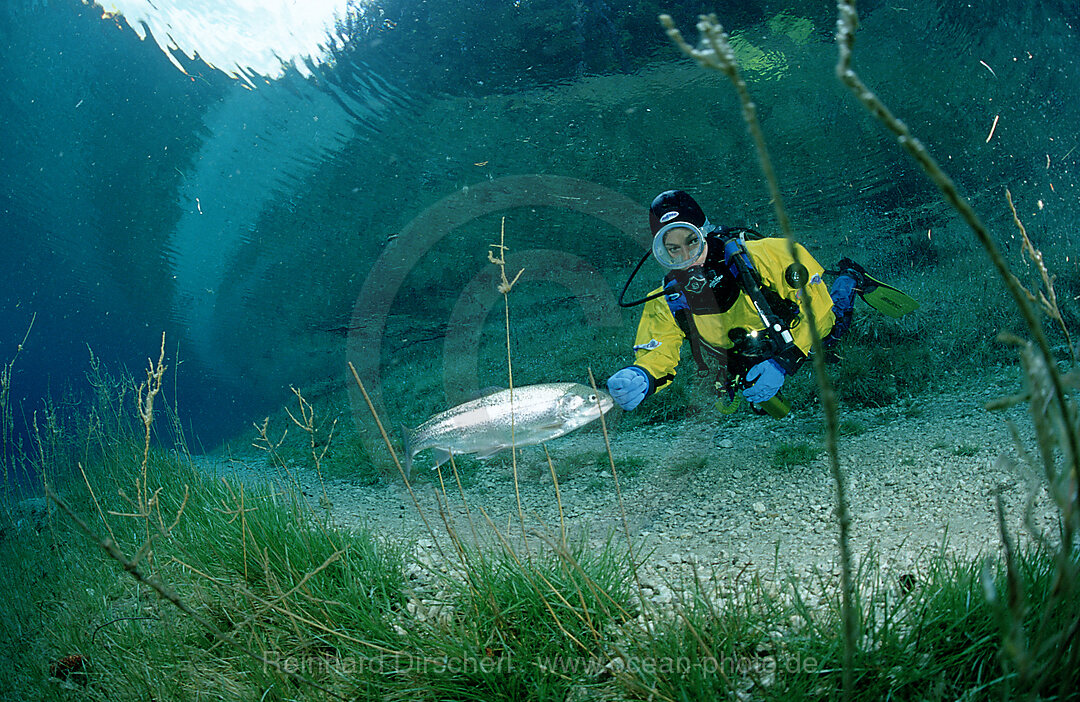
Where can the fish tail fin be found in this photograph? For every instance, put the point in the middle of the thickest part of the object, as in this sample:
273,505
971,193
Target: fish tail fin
406,449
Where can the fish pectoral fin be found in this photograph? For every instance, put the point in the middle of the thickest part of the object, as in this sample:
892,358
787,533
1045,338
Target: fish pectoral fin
441,456
487,453
553,425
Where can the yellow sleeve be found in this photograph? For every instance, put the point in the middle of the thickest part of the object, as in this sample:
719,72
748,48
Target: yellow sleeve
772,258
658,341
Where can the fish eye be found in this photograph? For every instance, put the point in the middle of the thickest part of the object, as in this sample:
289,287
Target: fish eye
592,398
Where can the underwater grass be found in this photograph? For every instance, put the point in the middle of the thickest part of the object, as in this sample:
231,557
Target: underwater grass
851,427
789,455
335,613
252,561
529,629
934,634
278,603
708,648
561,624
312,436
1055,416
930,635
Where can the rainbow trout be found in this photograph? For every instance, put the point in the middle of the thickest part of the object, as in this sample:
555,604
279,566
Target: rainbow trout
483,426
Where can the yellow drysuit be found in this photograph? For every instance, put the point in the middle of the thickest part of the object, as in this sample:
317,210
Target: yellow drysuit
659,337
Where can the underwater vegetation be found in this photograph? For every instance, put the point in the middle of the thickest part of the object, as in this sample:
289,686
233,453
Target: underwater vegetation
149,575
136,573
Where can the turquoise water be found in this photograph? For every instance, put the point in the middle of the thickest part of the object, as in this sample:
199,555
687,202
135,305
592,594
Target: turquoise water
278,217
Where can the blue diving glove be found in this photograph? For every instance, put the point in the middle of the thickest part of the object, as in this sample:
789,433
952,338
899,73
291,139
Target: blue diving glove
843,296
629,387
766,378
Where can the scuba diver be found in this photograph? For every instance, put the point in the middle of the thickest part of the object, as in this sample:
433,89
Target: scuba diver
736,297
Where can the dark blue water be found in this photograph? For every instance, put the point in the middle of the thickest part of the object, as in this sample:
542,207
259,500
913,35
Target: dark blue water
252,213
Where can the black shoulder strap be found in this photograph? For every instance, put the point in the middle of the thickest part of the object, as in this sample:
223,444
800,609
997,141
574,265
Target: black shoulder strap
776,328
685,319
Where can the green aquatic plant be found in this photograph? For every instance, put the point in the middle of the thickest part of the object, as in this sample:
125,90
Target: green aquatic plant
262,598
711,649
13,459
851,427
310,437
882,362
1055,419
716,54
687,467
789,455
629,466
549,620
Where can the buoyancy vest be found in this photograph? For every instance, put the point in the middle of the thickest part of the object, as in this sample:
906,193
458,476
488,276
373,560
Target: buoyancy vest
713,288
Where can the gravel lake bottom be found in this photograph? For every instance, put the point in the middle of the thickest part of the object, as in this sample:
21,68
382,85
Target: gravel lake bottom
708,496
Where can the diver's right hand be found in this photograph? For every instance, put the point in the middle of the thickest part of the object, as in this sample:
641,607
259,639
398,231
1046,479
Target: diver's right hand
629,387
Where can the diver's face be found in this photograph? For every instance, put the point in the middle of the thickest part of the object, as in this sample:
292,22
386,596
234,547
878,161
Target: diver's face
681,244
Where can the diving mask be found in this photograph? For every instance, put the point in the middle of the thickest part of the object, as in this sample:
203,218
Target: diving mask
678,245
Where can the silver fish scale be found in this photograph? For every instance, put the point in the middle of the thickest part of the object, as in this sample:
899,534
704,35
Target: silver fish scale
483,426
